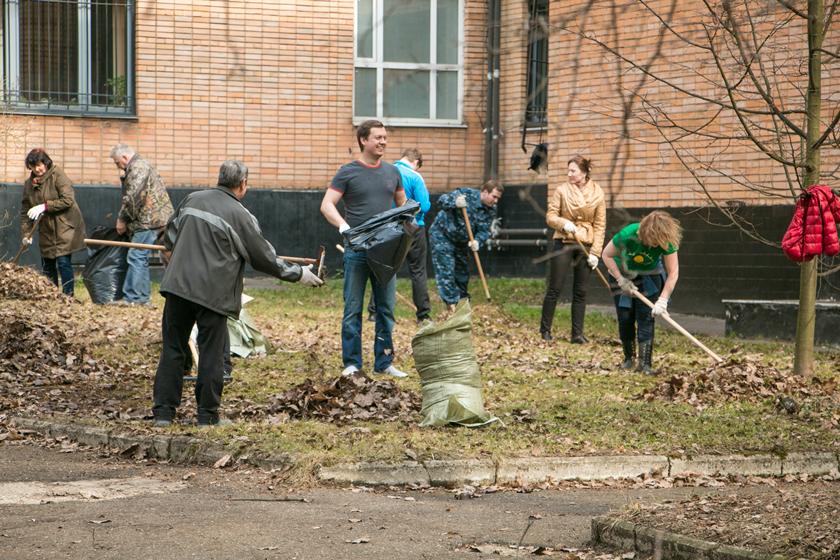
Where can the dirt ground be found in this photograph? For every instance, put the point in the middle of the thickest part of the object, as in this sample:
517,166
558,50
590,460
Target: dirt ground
798,519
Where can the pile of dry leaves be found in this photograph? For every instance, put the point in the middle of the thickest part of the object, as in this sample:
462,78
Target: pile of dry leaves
17,282
794,520
741,379
343,400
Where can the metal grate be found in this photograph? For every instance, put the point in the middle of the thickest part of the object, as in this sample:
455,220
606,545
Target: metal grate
537,90
68,56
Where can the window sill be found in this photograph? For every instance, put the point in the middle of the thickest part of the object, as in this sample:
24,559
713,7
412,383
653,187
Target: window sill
67,113
411,123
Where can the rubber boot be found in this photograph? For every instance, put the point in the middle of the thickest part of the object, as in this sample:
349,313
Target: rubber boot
547,318
629,347
645,356
578,315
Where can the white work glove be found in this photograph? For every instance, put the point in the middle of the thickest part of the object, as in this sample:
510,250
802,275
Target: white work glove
660,307
473,245
460,201
27,241
569,227
36,211
593,261
343,227
309,278
626,285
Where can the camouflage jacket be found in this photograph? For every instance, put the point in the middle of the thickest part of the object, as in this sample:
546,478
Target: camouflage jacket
145,202
450,219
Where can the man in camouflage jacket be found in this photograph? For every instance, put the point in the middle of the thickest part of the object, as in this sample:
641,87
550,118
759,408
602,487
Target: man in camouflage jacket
144,211
449,240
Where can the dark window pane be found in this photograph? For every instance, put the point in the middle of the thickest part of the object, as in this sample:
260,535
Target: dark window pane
406,94
537,91
365,92
406,30
108,54
49,51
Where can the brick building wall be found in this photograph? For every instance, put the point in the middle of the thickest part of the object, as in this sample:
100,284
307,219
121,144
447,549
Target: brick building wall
267,82
633,165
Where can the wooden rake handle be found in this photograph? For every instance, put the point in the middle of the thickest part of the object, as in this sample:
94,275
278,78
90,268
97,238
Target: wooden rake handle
475,254
666,316
109,243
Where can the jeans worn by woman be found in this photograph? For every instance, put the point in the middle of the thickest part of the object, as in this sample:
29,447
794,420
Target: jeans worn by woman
62,266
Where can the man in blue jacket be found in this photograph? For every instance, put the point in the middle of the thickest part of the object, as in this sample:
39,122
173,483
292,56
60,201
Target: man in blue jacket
415,189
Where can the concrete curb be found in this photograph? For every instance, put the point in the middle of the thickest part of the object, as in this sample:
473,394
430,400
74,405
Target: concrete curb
163,447
451,473
624,535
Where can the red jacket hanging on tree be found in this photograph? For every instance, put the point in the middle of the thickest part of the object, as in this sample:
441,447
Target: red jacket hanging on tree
813,229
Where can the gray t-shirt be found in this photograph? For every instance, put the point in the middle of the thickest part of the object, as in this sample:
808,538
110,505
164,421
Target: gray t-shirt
367,190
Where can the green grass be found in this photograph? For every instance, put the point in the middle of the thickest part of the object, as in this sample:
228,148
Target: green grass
553,399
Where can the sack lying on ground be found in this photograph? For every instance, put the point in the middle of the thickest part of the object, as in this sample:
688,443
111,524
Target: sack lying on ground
105,268
386,237
449,374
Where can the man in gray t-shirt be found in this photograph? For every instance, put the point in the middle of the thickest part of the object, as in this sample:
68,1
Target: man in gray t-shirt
368,186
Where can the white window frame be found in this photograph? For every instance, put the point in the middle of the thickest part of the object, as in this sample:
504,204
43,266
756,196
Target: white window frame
380,66
10,82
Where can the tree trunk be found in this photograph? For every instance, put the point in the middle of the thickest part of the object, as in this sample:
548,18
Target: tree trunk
803,362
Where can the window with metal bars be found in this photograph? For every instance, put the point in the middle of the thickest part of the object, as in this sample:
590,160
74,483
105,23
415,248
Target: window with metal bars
537,85
68,56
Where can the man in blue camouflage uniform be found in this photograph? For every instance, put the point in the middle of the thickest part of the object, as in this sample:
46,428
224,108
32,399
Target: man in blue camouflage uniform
449,239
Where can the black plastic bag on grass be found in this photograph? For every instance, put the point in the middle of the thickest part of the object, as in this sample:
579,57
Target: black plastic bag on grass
386,238
106,266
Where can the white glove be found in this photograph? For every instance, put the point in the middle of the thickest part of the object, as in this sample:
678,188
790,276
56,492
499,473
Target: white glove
36,211
343,227
660,307
460,201
593,261
309,278
27,241
569,227
626,285
473,245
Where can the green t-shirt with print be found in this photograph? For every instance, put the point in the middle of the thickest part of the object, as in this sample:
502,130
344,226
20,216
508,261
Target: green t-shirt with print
634,255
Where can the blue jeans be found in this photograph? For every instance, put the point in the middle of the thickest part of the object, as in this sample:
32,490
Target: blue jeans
356,276
63,266
137,286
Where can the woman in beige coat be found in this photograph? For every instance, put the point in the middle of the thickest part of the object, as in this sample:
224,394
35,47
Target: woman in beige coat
576,212
48,195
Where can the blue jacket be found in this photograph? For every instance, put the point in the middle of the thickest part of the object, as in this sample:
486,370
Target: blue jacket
450,220
415,189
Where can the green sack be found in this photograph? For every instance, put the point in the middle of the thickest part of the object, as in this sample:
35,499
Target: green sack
449,374
245,338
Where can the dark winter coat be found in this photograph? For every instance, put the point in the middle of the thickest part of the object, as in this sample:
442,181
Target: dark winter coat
212,236
61,230
813,229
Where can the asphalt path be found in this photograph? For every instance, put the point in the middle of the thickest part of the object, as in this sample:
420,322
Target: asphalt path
179,512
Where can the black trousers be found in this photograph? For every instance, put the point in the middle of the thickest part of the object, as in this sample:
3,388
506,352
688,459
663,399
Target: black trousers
179,316
568,256
416,262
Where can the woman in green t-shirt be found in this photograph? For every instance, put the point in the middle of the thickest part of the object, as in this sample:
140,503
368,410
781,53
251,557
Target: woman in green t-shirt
643,257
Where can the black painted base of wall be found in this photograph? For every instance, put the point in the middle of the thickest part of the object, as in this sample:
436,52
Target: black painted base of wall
717,261
776,319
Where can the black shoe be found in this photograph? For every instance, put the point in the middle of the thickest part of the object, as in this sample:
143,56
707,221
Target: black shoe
372,317
215,423
545,335
579,339
627,363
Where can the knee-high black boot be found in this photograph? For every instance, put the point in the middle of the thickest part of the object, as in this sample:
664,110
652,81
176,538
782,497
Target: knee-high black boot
629,346
547,316
645,357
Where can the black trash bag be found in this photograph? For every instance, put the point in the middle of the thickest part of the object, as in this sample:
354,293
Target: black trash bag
386,238
106,267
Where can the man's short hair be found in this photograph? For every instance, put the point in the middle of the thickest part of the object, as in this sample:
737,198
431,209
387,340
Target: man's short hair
493,185
121,150
413,154
232,173
363,131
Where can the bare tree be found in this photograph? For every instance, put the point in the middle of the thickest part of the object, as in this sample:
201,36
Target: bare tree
754,87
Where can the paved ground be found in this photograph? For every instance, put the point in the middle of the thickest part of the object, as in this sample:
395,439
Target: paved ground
183,512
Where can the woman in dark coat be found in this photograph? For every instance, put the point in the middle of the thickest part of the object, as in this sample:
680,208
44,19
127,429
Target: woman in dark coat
48,195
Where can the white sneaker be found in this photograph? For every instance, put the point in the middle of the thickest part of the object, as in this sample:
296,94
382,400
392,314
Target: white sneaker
349,370
392,371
